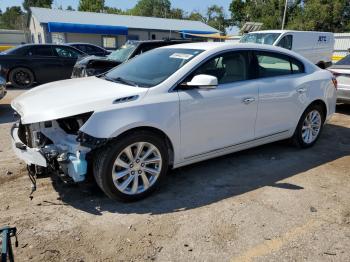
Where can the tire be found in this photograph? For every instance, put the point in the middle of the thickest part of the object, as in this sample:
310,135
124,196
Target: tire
105,163
21,77
303,140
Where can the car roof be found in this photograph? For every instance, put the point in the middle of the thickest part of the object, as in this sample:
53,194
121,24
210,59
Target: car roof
81,43
25,45
158,41
285,31
222,46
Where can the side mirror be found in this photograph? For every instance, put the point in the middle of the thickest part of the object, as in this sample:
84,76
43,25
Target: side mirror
204,81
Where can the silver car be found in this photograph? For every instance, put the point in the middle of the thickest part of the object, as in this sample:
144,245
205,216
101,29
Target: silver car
341,71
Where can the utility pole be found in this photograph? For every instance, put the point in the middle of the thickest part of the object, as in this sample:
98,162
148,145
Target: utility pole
284,14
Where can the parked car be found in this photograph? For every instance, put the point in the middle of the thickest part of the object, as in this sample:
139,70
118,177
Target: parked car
170,107
90,49
2,88
41,63
92,65
315,46
341,71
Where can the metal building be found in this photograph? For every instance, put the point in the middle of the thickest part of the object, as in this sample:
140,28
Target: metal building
107,30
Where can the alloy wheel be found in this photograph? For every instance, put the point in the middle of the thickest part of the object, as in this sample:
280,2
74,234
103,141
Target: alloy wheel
311,126
137,168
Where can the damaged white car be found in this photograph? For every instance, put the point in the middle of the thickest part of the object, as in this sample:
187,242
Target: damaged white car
171,107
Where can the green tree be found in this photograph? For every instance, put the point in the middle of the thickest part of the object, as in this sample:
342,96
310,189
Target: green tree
36,3
155,8
70,8
177,13
13,18
112,10
238,15
323,15
196,16
92,5
216,18
332,15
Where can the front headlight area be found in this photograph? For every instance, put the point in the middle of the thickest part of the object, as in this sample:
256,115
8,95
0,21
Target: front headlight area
59,142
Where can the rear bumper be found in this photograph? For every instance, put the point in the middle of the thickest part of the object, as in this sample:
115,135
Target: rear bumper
29,155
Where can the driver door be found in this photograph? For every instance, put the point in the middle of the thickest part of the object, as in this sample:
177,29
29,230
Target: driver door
213,119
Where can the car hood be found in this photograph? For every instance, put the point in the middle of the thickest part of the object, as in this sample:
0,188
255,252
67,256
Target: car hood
70,97
88,59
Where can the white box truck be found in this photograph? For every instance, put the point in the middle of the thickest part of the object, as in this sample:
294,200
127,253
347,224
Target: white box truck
315,46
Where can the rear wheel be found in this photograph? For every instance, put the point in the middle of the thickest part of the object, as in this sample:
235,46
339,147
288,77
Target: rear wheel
309,127
21,77
133,167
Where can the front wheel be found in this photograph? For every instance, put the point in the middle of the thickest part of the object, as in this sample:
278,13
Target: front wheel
21,77
131,168
309,127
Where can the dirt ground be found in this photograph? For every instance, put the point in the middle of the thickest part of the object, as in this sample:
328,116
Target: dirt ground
272,203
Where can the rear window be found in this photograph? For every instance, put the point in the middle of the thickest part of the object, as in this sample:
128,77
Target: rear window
271,64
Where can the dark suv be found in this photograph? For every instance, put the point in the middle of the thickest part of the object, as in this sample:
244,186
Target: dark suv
93,65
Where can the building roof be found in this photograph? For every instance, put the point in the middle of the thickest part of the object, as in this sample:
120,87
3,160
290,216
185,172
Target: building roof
45,15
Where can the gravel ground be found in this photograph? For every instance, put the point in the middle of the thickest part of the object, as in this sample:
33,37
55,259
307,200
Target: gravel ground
271,203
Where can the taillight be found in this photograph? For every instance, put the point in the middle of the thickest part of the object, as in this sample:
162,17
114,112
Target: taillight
335,82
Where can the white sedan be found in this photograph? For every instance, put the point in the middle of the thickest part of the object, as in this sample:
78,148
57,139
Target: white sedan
171,107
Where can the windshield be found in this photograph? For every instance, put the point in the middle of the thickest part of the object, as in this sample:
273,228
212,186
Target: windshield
260,38
344,61
123,53
152,67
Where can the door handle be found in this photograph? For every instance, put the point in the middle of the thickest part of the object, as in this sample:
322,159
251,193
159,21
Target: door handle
301,90
248,100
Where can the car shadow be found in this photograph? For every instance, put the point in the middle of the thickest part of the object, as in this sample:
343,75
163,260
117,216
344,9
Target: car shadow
6,114
343,109
217,179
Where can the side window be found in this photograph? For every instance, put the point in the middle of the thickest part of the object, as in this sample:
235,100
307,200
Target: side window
271,64
40,51
229,67
297,67
66,52
286,42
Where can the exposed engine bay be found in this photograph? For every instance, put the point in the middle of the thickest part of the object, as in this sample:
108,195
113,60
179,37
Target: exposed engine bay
62,146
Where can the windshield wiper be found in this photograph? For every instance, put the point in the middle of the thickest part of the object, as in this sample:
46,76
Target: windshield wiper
121,80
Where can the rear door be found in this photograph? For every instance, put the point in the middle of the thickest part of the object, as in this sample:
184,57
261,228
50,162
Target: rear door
68,57
281,89
44,63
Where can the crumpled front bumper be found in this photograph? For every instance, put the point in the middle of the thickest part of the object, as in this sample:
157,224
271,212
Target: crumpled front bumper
31,156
